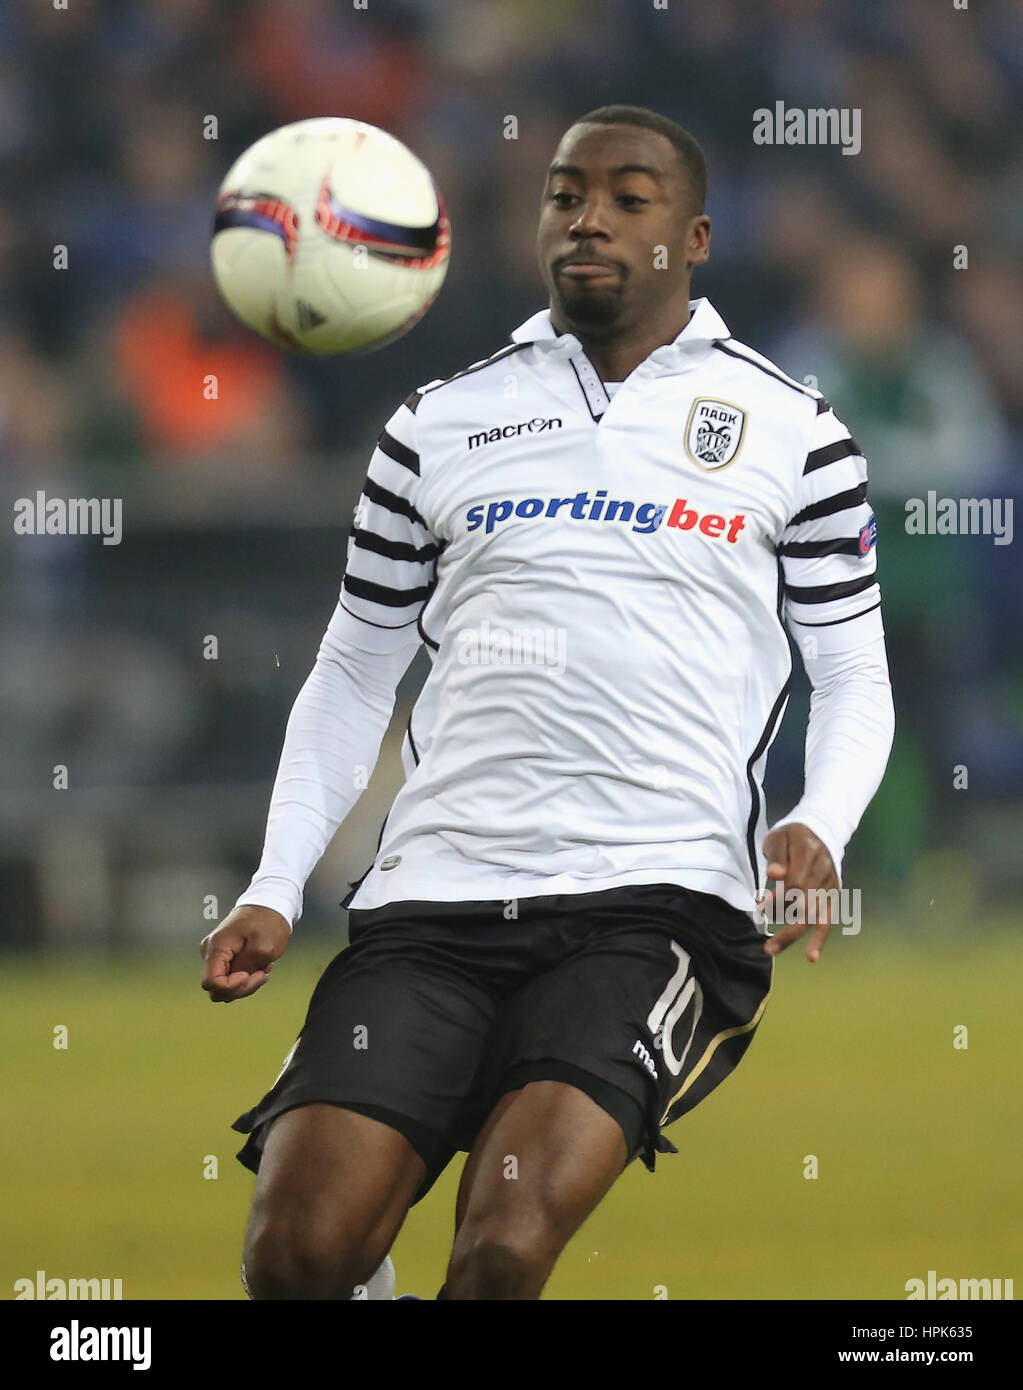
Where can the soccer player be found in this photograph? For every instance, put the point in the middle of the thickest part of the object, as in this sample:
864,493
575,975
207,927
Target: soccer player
599,533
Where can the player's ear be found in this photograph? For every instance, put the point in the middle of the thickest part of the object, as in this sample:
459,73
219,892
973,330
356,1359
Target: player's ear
698,240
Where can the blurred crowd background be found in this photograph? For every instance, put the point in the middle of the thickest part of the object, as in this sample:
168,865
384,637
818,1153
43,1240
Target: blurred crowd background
235,515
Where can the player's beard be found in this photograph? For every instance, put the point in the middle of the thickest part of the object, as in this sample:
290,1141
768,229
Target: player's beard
592,311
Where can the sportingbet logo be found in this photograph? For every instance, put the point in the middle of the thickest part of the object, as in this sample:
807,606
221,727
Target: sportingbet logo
644,517
533,426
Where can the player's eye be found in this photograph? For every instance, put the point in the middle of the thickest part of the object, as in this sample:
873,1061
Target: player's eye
633,200
557,197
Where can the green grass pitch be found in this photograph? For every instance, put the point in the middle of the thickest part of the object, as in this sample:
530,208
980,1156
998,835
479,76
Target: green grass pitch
104,1143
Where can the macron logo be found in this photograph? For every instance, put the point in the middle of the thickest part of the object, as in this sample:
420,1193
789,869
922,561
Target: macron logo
638,1050
533,426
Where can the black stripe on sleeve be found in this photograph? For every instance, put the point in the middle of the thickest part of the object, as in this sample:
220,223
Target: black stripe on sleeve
831,453
813,550
396,627
400,453
391,502
401,550
383,593
839,502
823,406
835,621
412,402
824,593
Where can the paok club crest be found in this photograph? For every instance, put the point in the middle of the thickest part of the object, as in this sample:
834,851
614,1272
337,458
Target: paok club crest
714,432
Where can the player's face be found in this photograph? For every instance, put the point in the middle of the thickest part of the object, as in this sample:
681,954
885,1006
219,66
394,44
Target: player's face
613,196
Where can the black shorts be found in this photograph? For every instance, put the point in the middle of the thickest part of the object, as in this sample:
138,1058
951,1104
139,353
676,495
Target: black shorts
644,998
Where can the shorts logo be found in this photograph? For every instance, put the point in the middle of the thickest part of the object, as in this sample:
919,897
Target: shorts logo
640,1051
868,536
714,433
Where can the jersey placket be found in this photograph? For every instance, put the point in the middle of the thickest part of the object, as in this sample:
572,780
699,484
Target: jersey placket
597,399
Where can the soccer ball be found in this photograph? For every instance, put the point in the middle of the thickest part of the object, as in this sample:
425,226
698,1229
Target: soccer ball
329,237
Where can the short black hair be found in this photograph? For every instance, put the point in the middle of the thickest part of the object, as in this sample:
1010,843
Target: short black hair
690,155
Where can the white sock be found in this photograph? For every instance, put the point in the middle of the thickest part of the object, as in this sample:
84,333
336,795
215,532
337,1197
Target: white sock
380,1286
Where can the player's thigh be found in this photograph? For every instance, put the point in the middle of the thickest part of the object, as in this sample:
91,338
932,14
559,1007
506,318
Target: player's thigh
543,1161
395,1033
334,1179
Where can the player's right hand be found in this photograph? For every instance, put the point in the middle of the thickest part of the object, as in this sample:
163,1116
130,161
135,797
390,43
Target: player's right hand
240,953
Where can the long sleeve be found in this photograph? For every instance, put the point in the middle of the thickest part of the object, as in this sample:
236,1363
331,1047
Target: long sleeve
833,610
848,740
341,714
331,746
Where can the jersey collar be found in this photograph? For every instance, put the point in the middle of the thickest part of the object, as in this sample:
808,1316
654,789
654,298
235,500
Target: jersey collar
704,327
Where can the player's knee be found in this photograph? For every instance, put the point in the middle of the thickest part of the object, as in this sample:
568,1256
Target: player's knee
495,1262
289,1260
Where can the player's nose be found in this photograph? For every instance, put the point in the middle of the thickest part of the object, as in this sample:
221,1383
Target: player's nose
590,221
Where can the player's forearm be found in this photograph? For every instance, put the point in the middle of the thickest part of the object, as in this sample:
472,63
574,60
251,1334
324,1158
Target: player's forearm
331,746
848,740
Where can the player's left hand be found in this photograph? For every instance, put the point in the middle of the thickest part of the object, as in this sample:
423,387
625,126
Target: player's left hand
797,859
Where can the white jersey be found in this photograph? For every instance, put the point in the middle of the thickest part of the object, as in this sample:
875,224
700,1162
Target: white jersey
602,582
